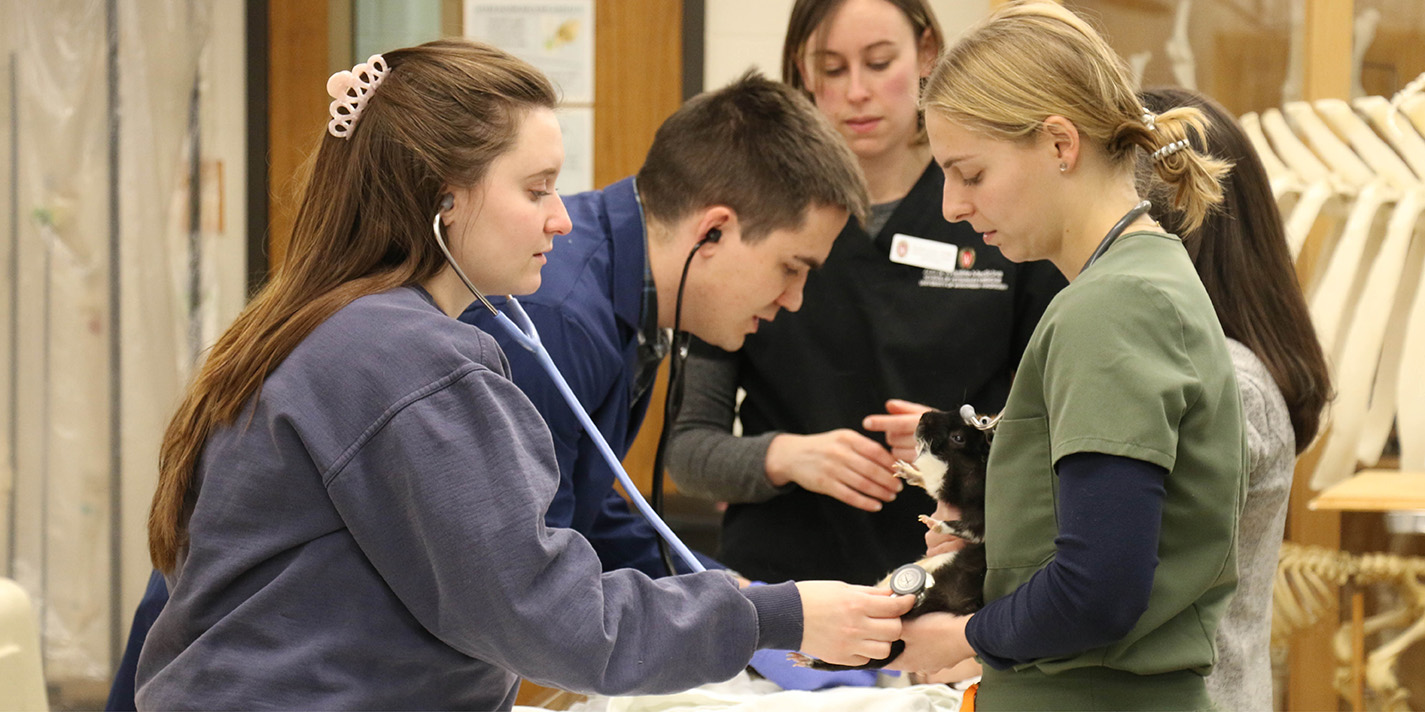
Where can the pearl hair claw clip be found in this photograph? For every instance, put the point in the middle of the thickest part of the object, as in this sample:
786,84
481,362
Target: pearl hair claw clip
351,90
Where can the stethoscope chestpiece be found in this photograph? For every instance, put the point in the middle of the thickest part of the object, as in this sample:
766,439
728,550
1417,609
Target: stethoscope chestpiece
911,580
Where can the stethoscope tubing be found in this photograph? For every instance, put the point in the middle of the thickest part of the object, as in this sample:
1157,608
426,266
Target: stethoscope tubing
1116,231
527,336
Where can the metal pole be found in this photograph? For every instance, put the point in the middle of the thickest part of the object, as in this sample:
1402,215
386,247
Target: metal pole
14,425
115,353
45,428
195,225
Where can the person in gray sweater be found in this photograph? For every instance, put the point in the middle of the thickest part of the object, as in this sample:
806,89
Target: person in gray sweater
1281,374
351,499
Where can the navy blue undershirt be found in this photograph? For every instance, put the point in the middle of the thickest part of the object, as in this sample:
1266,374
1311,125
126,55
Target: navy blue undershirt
1097,586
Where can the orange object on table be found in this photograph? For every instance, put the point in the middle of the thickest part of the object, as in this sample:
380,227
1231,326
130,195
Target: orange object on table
967,703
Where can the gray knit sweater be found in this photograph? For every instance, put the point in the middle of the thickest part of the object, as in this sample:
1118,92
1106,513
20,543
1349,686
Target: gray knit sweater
1242,678
704,458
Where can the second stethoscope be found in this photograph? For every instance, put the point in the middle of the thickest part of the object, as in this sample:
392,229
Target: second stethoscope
522,330
1113,234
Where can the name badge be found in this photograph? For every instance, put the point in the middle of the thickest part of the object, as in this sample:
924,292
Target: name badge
920,252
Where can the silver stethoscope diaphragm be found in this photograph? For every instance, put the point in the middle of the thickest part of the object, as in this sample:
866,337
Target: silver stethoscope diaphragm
911,580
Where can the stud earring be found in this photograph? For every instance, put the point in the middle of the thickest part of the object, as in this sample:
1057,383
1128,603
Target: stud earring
1063,167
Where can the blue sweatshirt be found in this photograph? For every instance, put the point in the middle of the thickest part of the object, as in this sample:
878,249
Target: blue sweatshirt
369,534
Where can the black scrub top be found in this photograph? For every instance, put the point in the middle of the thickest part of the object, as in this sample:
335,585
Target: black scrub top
871,329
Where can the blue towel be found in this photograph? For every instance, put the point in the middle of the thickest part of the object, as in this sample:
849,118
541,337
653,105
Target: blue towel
774,665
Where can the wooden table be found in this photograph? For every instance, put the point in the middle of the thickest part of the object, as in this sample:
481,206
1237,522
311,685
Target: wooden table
1375,491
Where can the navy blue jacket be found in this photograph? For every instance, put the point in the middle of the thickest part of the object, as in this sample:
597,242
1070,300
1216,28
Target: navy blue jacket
587,312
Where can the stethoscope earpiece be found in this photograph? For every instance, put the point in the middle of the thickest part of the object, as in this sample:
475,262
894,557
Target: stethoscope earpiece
446,203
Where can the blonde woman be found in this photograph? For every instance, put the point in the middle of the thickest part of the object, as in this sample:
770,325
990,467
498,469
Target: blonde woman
1117,472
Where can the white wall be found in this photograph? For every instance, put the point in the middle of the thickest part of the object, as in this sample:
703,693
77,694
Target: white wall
747,33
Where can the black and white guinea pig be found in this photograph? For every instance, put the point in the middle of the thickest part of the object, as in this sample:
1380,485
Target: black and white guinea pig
952,450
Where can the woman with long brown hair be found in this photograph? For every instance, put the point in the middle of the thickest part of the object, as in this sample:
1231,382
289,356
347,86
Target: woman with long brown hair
1241,253
1118,466
350,510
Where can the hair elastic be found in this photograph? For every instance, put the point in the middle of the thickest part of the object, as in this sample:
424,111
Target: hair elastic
1169,149
1149,119
351,89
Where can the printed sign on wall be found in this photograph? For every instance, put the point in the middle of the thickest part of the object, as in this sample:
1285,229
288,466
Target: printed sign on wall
555,35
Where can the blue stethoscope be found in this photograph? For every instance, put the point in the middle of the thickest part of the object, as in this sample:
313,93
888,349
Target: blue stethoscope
522,330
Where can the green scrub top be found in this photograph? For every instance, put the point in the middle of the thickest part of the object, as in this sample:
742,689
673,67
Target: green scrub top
1129,360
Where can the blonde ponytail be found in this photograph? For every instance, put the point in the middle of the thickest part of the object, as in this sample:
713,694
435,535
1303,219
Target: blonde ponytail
1031,60
1194,176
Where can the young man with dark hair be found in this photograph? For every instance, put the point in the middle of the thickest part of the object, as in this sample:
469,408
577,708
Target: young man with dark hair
743,191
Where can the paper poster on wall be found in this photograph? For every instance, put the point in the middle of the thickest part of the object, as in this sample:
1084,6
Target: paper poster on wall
555,35
577,125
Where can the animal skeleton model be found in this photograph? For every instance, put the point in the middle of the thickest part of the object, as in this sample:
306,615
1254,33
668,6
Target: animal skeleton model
1307,585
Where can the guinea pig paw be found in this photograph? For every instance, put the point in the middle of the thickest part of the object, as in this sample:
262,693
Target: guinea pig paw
909,473
930,522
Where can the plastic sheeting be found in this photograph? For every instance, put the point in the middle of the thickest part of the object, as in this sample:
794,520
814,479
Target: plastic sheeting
118,268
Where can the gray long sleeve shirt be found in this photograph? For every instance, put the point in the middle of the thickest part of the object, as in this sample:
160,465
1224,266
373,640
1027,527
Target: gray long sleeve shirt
704,458
370,534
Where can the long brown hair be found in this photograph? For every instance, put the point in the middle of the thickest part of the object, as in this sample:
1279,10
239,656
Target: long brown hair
1031,60
1241,255
442,113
